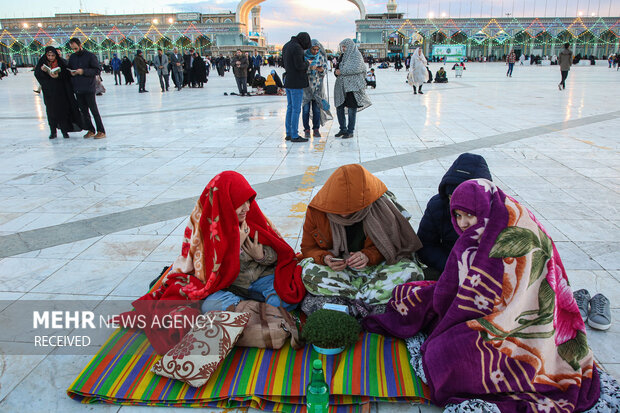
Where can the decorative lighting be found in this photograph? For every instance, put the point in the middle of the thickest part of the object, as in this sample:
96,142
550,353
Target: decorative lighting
580,13
39,25
443,14
171,20
155,21
593,14
431,14
25,25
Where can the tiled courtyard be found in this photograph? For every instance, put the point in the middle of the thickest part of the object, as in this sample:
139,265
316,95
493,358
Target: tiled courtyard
98,219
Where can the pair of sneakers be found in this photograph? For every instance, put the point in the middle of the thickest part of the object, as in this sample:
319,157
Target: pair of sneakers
596,310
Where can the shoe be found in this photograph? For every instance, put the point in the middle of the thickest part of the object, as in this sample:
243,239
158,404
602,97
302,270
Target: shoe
307,133
316,133
52,136
341,133
100,135
65,135
167,89
163,90
559,86
299,139
89,134
347,136
599,316
583,300
287,138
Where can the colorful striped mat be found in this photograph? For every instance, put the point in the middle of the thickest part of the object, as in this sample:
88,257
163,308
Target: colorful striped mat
376,369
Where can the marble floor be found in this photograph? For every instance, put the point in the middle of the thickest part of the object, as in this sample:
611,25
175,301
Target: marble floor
98,219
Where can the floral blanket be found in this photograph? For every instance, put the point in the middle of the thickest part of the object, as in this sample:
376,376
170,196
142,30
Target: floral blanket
502,322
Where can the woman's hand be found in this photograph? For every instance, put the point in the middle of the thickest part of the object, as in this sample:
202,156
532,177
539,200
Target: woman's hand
54,75
357,260
333,264
244,230
253,248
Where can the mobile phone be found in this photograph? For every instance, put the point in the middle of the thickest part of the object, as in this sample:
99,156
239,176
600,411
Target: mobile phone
337,259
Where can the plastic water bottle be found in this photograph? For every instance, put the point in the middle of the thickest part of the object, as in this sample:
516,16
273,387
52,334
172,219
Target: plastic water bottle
317,392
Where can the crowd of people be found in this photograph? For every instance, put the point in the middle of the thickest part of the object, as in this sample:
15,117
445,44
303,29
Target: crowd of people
478,292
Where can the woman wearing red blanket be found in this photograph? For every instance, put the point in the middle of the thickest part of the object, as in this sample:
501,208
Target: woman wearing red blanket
229,247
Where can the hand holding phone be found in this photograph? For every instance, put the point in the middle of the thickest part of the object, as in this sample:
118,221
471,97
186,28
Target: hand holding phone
336,264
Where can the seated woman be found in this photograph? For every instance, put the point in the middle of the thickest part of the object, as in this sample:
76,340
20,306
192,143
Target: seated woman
502,324
356,244
436,231
230,252
272,83
371,79
441,76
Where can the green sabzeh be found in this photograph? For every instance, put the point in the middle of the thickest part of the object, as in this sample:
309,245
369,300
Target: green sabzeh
516,242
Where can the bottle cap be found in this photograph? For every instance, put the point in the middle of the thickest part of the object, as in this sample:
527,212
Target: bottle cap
317,364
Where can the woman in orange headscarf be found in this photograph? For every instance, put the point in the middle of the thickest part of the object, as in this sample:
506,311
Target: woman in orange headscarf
357,245
230,252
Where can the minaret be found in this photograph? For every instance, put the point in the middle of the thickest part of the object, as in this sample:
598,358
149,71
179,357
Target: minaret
256,19
391,6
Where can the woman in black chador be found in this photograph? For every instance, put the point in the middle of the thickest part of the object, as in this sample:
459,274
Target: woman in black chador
126,69
62,109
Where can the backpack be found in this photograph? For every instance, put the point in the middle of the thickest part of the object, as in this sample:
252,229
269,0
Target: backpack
269,327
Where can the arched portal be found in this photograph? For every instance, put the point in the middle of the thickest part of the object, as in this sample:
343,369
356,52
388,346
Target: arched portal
244,7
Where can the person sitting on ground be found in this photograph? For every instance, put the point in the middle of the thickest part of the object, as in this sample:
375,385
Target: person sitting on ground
258,81
230,252
502,324
371,79
441,76
273,84
356,244
436,231
461,64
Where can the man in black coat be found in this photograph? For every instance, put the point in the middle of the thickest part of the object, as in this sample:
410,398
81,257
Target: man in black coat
296,80
436,231
84,66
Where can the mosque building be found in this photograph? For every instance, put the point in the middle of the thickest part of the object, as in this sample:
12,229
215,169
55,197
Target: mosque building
380,35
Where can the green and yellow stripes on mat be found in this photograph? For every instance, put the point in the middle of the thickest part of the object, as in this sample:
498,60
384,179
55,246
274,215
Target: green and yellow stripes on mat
376,369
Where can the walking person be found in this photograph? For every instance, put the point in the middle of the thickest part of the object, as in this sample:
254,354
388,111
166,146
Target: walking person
142,68
565,60
84,67
314,95
510,61
161,65
176,59
418,74
296,80
60,104
116,69
126,69
240,70
350,87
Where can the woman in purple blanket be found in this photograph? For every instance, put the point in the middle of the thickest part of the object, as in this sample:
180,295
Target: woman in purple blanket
503,326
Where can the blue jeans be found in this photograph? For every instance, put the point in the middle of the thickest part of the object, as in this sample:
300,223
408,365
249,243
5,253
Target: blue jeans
293,109
316,115
242,85
342,121
510,67
221,300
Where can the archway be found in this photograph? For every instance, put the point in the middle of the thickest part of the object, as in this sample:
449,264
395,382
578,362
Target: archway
245,6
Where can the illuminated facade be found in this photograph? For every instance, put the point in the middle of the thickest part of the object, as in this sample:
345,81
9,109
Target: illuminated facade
24,39
390,33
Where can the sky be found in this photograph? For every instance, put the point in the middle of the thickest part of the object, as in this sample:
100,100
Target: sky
327,20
